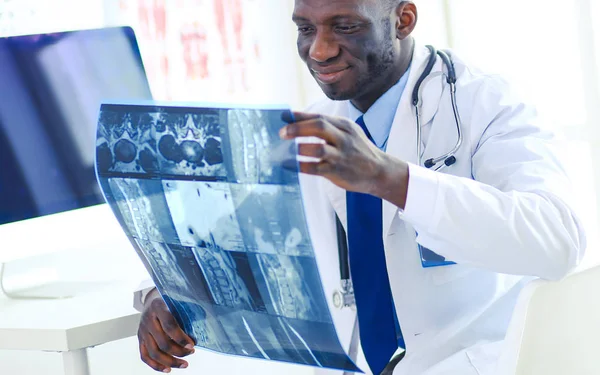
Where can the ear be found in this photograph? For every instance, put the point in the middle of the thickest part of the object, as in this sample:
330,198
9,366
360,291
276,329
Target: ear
406,19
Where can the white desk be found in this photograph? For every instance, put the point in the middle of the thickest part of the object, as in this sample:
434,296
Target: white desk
70,326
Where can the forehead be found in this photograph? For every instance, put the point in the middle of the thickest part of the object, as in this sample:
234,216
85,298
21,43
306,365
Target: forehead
323,10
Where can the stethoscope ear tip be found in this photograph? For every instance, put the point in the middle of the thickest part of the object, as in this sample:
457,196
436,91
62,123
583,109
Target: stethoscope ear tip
451,160
430,163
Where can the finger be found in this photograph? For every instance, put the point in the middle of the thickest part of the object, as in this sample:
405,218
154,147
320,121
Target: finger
149,361
317,169
171,328
341,123
303,116
287,116
152,324
167,345
290,165
318,150
161,357
318,127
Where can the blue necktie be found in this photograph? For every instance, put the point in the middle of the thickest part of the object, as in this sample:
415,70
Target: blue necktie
380,333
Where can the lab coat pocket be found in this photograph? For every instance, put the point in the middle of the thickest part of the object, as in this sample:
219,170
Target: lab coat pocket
447,273
438,268
457,364
484,356
431,259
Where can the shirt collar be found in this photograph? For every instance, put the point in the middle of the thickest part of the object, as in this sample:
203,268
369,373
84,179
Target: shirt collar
380,116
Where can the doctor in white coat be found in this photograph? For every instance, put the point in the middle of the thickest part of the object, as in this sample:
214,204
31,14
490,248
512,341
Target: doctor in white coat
496,217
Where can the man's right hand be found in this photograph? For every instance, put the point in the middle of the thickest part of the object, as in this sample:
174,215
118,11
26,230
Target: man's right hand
162,341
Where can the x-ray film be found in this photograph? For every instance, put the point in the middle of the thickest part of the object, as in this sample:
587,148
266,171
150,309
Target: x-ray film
219,223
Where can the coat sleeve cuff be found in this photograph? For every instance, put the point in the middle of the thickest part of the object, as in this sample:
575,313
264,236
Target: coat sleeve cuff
139,296
422,197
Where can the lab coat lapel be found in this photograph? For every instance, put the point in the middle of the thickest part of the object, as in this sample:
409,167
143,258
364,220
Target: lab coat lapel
402,141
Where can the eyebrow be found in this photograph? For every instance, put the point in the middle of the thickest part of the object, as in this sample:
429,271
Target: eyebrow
338,17
296,18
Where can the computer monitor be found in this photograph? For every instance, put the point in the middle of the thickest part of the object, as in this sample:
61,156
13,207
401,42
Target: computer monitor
51,88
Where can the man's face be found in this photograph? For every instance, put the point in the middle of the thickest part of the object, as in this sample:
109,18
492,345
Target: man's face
348,46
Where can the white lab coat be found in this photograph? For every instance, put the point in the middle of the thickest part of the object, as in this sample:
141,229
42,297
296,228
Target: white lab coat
501,211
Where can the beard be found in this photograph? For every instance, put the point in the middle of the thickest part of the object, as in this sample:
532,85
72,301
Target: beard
379,65
378,68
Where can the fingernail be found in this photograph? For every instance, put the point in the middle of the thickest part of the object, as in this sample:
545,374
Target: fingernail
167,370
283,132
189,347
183,365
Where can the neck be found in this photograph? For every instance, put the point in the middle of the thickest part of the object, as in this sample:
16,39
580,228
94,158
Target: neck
365,102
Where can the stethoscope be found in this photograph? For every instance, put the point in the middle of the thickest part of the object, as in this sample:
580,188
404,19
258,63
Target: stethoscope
448,158
344,297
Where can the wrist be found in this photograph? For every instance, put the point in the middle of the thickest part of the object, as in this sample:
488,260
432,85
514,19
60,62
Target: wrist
392,181
151,296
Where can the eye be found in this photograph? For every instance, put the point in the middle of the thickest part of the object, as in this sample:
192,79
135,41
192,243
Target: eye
304,30
347,28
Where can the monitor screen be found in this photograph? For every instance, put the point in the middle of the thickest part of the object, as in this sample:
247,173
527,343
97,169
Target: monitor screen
51,87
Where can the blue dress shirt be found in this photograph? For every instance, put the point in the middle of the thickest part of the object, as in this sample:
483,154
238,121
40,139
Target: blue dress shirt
380,117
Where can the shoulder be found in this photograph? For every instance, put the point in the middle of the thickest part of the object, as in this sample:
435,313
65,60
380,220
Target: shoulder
489,96
490,107
473,78
480,85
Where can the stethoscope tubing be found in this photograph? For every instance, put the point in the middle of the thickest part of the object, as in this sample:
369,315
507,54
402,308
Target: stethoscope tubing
448,158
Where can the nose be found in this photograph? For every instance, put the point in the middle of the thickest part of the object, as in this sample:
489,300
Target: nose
323,47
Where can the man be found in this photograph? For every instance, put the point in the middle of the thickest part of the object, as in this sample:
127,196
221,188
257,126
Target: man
457,244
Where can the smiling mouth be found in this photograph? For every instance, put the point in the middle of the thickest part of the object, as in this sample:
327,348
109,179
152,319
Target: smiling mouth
330,78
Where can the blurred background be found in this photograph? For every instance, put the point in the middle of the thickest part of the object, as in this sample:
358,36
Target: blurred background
244,51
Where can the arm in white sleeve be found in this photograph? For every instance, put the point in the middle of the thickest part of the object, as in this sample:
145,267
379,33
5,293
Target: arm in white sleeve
139,296
514,216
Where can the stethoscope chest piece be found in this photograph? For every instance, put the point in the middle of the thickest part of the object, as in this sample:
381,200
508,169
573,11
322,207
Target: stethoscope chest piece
344,297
